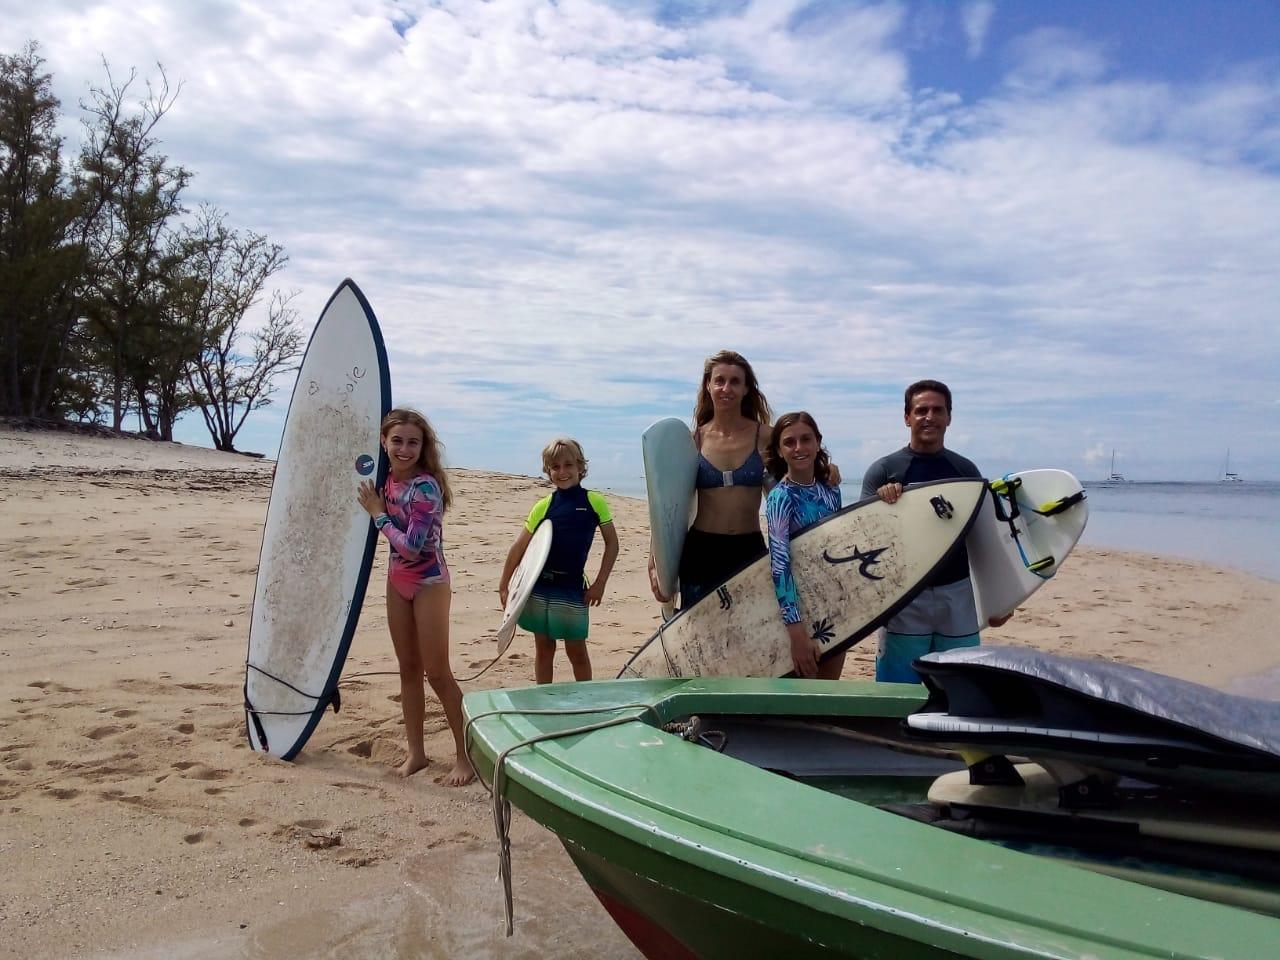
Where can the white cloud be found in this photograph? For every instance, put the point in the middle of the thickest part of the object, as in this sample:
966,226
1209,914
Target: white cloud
557,210
976,19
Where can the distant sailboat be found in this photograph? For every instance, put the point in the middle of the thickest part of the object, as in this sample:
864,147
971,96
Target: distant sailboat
1115,477
1227,475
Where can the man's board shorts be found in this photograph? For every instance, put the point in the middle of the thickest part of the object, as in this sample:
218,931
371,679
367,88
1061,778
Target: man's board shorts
940,618
557,612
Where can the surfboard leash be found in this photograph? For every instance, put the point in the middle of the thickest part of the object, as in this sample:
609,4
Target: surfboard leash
253,714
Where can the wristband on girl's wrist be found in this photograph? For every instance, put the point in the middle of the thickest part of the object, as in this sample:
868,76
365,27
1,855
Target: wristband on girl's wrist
381,520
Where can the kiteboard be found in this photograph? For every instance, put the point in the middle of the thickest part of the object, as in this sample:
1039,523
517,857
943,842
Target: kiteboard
1026,528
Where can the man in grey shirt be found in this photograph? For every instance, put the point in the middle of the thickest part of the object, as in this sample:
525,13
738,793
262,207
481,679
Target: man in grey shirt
943,615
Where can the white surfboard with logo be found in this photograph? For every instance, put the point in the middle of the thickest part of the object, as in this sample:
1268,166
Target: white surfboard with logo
318,542
853,571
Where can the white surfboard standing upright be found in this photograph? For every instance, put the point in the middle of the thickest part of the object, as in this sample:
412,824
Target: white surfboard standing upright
670,477
318,542
522,582
853,570
1029,524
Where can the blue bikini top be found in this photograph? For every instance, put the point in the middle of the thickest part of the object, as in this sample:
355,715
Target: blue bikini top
749,474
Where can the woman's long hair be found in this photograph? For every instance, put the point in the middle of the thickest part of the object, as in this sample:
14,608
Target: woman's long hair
773,461
431,459
754,405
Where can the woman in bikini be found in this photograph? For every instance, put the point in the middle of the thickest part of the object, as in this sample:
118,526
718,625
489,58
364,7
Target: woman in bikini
731,430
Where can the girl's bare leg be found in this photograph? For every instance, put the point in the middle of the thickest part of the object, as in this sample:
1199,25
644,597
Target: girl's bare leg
830,668
544,655
404,637
431,612
579,659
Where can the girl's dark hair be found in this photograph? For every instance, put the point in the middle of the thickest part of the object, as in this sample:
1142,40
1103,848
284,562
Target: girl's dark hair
754,405
773,461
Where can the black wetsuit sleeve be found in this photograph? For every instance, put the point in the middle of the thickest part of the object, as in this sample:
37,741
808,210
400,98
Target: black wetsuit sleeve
891,468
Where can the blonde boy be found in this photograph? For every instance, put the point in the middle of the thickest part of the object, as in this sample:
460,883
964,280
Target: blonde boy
557,609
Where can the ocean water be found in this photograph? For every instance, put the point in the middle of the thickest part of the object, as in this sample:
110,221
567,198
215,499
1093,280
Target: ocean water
1234,525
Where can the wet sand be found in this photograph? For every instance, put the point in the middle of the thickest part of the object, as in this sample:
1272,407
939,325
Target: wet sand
137,823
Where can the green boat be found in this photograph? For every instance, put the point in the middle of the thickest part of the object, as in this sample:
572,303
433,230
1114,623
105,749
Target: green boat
735,818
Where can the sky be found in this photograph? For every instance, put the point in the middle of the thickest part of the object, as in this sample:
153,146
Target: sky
1069,211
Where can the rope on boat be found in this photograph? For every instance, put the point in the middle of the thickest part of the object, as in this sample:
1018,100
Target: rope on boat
691,730
502,806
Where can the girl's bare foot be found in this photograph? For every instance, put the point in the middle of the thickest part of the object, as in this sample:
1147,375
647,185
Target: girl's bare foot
411,766
459,776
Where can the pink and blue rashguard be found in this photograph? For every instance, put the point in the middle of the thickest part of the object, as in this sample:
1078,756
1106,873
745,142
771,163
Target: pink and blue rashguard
414,528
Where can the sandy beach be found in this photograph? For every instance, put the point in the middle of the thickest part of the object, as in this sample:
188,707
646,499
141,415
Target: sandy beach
138,823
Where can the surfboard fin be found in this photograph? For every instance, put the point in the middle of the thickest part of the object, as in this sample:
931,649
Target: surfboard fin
991,770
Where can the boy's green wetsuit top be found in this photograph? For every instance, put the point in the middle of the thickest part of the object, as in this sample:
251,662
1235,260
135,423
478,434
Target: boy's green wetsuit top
574,515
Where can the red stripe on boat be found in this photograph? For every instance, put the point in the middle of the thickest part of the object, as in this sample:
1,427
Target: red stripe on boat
649,938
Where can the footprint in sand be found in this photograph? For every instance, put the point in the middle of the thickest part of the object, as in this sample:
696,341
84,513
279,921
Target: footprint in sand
194,838
98,733
201,772
50,687
63,793
354,785
186,728
246,822
362,749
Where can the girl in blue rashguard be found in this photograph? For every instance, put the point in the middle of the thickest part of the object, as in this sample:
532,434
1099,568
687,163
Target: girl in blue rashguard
803,496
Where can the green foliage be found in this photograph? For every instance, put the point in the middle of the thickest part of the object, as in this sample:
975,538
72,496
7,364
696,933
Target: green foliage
109,303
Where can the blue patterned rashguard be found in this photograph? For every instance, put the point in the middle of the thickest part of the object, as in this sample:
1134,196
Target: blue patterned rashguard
789,508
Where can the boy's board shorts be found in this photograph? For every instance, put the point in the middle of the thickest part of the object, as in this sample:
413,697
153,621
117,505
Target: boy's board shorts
556,612
940,618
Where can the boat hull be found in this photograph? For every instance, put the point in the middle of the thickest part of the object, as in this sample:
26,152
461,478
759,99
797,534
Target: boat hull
698,853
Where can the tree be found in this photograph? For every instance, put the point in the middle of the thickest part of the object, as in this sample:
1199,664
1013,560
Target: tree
230,270
134,194
40,262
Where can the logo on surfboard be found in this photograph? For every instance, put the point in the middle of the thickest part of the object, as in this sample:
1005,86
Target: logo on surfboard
864,560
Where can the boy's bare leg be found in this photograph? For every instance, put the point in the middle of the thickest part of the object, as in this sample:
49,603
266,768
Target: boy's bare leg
544,655
579,659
